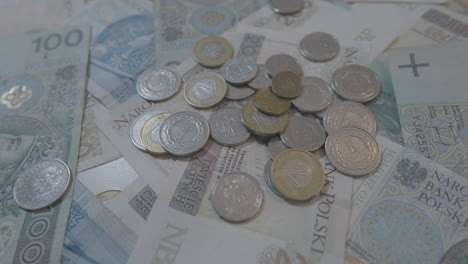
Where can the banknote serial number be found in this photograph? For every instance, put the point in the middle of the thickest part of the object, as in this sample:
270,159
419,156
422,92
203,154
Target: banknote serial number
55,40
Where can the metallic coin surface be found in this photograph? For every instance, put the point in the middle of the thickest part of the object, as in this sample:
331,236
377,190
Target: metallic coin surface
297,174
267,176
157,84
239,70
456,254
286,7
260,123
356,83
287,85
281,63
334,100
150,133
353,151
205,89
213,51
226,127
262,80
319,47
276,146
269,103
184,133
349,113
137,127
41,185
304,133
237,196
238,92
316,96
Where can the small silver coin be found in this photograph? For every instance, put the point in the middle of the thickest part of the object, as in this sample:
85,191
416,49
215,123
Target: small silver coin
137,126
269,182
276,146
456,254
226,127
348,113
239,70
304,133
262,80
286,7
237,196
157,84
316,95
240,92
356,83
42,184
184,133
282,63
334,100
319,47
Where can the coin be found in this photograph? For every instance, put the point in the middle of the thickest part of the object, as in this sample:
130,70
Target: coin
262,80
287,85
205,89
286,7
356,83
457,253
184,133
319,47
334,99
260,123
239,70
213,51
157,84
281,63
137,126
150,133
42,184
240,92
267,102
297,174
276,146
267,176
353,151
237,196
304,133
226,127
316,96
348,113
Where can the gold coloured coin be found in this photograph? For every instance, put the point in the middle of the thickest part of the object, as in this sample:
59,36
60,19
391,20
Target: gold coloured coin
269,103
297,174
150,133
213,51
205,89
287,85
262,124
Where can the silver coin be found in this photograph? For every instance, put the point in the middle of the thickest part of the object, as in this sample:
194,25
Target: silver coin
269,182
356,83
262,80
239,70
286,7
137,126
157,84
319,47
281,63
276,146
184,133
316,95
348,113
353,151
456,254
226,127
238,92
42,184
237,196
304,133
334,100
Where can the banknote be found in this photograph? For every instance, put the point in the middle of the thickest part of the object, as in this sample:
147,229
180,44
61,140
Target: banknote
412,210
42,91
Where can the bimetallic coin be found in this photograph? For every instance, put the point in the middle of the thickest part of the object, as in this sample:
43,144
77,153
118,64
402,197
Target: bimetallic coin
286,7
262,80
150,133
267,102
226,127
319,47
353,151
237,196
239,70
304,133
281,63
316,96
276,146
297,174
157,84
456,254
260,123
267,176
356,83
41,185
240,92
205,89
348,113
137,126
184,133
287,85
213,51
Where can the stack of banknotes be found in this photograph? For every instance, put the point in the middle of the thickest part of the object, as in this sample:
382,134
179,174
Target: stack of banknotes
69,74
